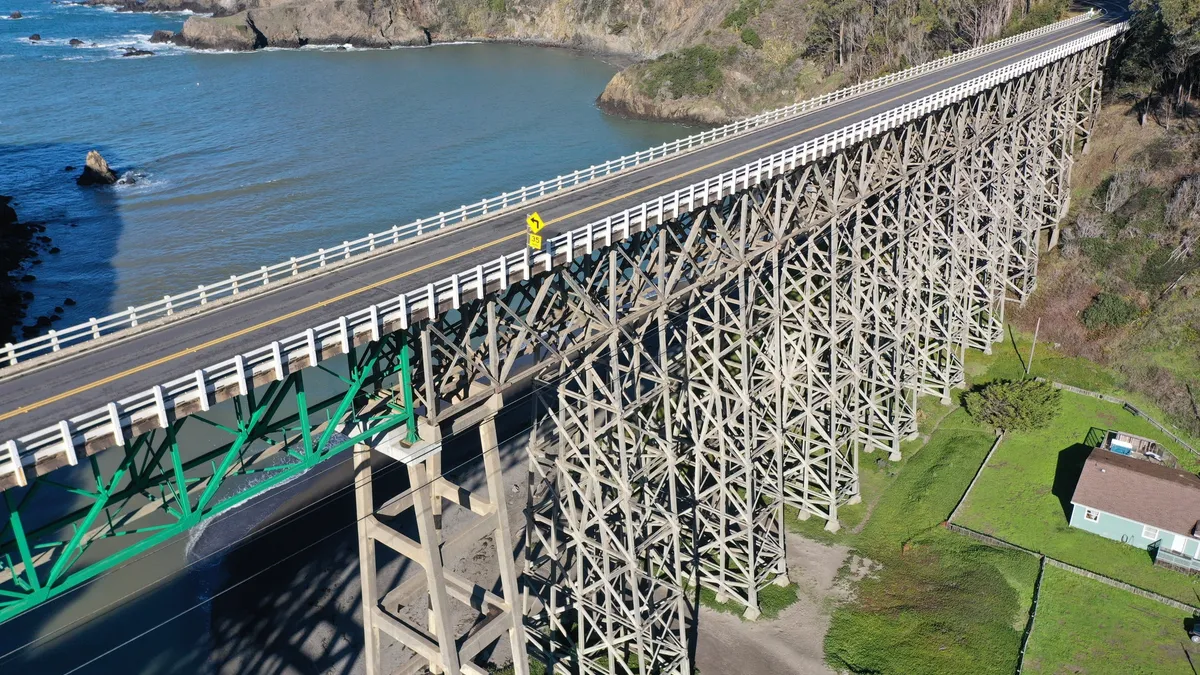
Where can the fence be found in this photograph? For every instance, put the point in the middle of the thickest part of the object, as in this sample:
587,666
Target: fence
1125,404
56,444
169,305
962,500
1033,607
1000,543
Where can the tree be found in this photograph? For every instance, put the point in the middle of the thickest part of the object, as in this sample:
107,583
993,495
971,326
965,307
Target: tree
1014,405
1108,310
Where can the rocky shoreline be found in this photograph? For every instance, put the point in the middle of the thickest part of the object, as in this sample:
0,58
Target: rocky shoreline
20,244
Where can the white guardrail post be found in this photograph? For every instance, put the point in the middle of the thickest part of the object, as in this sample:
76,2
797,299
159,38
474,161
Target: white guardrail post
276,358
169,305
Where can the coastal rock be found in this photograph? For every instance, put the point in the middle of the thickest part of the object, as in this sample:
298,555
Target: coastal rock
623,97
15,15
226,34
36,37
641,30
134,51
96,171
75,42
162,36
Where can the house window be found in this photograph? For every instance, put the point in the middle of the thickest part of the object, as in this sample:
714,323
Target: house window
1092,515
1150,533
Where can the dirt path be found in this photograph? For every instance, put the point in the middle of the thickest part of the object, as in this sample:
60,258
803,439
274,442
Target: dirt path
793,643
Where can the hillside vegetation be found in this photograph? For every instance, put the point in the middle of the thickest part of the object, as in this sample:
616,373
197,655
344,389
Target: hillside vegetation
1123,289
768,53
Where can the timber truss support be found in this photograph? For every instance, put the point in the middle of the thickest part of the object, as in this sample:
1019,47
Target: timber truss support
443,598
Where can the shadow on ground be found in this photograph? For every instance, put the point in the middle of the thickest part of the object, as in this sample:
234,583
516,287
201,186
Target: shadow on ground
1066,474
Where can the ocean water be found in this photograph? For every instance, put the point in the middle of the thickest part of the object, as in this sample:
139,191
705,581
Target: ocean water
241,160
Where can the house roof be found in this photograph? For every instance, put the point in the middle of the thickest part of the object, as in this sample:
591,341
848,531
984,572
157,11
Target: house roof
1143,491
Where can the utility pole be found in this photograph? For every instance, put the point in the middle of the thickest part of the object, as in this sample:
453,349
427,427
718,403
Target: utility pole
1029,363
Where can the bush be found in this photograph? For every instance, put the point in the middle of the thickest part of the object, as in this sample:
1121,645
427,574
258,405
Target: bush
1014,405
746,10
695,71
750,37
1108,310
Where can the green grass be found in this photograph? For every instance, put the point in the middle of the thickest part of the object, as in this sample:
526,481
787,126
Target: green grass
876,474
928,486
1006,362
939,602
772,600
942,603
947,605
535,668
1086,627
1024,493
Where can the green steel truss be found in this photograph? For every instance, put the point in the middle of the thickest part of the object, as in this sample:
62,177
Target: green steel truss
75,524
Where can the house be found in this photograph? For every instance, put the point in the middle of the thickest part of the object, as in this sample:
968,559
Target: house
1141,503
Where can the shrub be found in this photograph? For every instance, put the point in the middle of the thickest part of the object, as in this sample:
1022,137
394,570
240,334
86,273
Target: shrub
1014,405
1108,309
695,71
750,37
746,10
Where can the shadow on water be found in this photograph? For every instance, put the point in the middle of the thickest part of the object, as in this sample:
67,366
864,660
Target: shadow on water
83,222
284,601
1066,474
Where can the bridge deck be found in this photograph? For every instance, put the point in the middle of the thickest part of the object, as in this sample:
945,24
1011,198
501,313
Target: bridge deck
38,396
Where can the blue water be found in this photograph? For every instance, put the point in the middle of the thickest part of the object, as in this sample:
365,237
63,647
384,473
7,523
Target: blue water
242,160
247,159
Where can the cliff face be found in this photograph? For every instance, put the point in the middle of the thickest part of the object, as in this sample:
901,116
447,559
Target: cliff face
638,29
704,61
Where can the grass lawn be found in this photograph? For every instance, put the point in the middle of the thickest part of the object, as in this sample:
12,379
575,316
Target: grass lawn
876,473
1023,496
1008,362
1086,627
938,602
771,601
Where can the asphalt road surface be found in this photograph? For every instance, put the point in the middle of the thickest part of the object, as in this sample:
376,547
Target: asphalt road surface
122,364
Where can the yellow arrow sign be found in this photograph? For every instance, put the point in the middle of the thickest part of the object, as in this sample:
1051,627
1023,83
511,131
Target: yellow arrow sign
535,242
535,223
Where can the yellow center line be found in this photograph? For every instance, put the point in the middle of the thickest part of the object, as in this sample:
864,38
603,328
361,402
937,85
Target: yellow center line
270,322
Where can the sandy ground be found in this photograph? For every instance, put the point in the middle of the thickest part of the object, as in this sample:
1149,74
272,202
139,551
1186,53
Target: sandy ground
793,643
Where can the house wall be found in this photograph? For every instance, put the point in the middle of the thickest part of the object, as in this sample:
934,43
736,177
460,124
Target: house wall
1129,531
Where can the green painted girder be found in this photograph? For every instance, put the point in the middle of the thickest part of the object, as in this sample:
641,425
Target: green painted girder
165,483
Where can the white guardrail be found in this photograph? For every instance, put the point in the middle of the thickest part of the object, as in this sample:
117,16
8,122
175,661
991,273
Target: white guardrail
12,354
61,442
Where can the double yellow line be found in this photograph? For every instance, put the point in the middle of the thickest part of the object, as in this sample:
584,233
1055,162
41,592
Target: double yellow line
515,235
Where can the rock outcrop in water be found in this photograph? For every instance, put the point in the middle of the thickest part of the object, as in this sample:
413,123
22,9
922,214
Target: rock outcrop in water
697,60
96,171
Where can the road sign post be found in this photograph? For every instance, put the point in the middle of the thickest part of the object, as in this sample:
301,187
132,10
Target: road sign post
536,224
